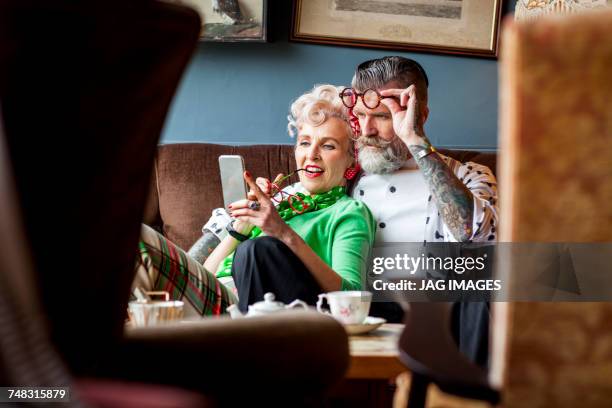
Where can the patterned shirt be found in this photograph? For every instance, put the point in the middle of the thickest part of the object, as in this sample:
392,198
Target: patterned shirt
397,199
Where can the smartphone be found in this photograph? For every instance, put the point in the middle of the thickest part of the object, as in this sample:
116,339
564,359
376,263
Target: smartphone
233,185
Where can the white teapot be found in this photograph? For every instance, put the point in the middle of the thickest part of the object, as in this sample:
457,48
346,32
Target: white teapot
268,306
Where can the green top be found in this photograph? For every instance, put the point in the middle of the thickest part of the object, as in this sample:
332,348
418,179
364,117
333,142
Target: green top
342,235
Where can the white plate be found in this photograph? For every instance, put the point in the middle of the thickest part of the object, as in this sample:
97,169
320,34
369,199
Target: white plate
371,323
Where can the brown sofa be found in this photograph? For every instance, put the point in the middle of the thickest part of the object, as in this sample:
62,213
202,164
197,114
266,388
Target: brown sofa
186,185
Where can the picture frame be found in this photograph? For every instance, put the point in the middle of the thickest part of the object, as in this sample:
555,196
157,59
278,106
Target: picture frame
232,20
460,27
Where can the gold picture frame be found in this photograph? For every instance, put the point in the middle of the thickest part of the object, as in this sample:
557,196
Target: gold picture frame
462,27
232,20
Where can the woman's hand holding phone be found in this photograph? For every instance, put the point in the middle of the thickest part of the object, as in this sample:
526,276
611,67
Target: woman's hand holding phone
265,187
265,217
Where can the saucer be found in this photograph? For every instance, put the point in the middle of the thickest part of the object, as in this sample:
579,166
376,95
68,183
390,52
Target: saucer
370,324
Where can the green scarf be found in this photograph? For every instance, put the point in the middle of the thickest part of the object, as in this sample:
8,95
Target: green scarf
311,203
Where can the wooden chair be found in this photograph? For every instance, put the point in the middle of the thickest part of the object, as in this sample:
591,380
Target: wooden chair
555,175
430,353
555,113
27,357
84,92
83,115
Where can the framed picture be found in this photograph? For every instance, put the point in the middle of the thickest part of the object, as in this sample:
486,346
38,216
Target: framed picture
467,27
232,20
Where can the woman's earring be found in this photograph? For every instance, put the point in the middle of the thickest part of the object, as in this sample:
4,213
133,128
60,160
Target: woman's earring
351,172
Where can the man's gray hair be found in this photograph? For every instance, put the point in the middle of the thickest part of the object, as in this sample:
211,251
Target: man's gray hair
400,72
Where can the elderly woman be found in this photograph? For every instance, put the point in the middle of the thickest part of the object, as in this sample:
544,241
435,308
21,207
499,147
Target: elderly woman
316,242
309,238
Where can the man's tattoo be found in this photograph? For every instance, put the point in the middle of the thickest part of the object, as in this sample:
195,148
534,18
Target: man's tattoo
204,247
454,200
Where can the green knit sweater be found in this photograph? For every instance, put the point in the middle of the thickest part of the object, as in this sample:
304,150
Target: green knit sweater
342,235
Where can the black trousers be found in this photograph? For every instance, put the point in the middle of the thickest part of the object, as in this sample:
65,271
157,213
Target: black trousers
266,264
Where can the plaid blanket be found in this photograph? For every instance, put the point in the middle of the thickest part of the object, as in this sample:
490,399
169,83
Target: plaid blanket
163,266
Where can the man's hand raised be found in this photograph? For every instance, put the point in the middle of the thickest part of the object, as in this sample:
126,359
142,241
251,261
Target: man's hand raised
405,110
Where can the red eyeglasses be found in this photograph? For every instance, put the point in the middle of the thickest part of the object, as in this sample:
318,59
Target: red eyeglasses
296,203
370,98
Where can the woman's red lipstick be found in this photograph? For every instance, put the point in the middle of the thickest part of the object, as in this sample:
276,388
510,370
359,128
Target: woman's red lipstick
313,171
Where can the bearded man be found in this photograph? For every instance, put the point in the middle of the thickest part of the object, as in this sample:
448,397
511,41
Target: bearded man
415,193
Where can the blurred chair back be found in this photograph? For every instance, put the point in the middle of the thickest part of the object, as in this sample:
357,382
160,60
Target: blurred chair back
26,357
556,180
84,90
428,349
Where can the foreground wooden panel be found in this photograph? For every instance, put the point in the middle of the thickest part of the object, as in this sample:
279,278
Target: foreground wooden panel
556,186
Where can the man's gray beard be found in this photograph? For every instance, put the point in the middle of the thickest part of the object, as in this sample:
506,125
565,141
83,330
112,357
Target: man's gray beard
389,158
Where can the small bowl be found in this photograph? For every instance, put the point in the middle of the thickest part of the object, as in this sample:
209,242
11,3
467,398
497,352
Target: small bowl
155,312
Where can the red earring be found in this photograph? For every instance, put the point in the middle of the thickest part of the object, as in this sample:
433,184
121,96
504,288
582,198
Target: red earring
351,172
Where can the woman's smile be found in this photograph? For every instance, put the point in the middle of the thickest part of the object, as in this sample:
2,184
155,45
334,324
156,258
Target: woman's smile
313,171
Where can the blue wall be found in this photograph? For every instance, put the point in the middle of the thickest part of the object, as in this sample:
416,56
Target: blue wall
240,93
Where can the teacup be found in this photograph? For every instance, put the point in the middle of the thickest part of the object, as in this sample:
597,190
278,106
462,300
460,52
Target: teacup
349,307
153,312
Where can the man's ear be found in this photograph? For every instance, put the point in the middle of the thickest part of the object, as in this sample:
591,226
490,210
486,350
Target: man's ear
424,114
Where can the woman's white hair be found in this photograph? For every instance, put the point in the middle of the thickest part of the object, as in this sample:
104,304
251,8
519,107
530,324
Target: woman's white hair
315,107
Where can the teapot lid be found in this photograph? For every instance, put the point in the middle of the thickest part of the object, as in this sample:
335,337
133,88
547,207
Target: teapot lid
268,304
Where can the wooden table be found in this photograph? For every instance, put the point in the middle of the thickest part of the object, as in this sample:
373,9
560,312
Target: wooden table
374,366
375,356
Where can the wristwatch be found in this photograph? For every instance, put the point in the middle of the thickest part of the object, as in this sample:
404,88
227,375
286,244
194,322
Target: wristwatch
230,229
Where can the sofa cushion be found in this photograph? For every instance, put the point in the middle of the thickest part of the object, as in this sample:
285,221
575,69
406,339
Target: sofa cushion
186,185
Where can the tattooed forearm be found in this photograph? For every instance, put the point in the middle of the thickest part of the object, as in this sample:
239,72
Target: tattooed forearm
453,199
203,247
